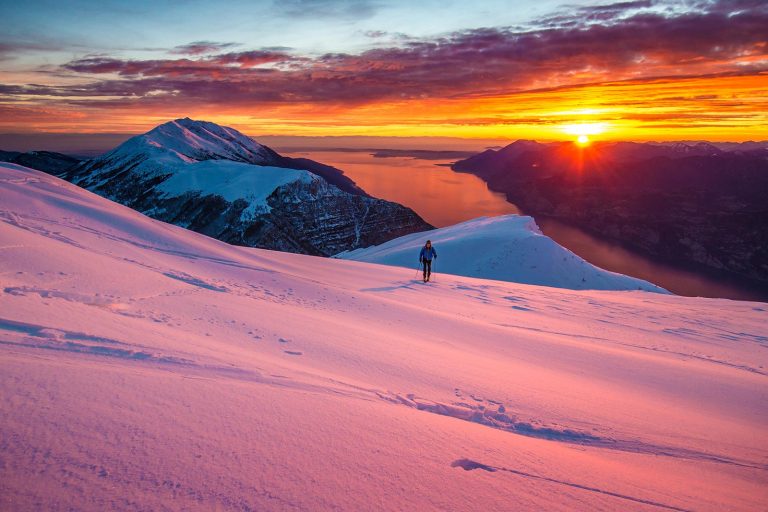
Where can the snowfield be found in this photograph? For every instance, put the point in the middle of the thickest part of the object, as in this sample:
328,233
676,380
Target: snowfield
505,248
232,181
146,367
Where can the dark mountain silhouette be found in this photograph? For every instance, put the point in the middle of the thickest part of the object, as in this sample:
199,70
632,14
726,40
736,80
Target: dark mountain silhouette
47,161
693,203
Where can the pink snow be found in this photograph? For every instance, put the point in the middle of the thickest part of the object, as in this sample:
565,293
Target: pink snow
189,140
146,367
503,248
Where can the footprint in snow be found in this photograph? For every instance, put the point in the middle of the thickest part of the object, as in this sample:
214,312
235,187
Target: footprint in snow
469,465
293,352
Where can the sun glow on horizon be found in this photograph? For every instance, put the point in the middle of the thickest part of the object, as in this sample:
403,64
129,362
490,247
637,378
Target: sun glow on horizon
582,131
709,108
585,129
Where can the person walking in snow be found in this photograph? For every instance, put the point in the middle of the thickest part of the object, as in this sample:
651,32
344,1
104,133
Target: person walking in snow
427,254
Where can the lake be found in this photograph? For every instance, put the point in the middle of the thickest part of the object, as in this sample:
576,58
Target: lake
444,197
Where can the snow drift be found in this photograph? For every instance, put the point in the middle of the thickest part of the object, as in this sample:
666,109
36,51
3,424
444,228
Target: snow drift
147,367
505,248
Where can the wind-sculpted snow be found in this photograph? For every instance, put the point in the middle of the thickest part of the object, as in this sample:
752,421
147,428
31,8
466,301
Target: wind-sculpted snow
147,367
506,248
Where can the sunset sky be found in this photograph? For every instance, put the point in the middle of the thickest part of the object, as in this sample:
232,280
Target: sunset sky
632,70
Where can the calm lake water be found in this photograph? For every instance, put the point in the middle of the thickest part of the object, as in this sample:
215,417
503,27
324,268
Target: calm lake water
444,197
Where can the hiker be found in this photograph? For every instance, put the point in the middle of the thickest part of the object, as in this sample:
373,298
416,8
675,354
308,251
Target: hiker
425,258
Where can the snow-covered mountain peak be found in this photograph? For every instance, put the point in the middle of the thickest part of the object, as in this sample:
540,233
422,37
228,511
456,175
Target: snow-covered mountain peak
217,181
190,140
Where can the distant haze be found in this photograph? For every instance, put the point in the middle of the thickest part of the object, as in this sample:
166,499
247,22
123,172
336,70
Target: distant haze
91,144
82,144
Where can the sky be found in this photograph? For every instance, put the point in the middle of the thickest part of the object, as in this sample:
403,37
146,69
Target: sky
630,70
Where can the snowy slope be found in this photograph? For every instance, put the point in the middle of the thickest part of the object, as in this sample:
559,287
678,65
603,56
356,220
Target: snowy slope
233,181
505,248
146,367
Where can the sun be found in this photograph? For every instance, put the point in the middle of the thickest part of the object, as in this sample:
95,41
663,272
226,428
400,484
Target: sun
583,130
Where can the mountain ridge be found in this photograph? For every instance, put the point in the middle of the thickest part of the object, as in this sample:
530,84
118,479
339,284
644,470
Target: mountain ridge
693,204
50,162
212,179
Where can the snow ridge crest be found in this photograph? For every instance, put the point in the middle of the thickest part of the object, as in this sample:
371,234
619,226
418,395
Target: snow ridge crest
190,140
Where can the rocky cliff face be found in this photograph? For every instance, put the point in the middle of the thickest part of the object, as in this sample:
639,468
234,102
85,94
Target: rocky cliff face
690,203
218,182
316,218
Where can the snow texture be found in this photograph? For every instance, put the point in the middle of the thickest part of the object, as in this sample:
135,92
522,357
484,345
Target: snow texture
147,367
232,181
504,248
189,140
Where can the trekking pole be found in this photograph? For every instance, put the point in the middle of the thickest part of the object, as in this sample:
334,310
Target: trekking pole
417,271
435,264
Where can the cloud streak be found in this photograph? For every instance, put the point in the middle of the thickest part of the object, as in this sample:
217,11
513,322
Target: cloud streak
212,67
202,48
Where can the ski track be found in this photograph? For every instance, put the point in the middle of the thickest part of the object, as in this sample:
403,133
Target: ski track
502,418
469,465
